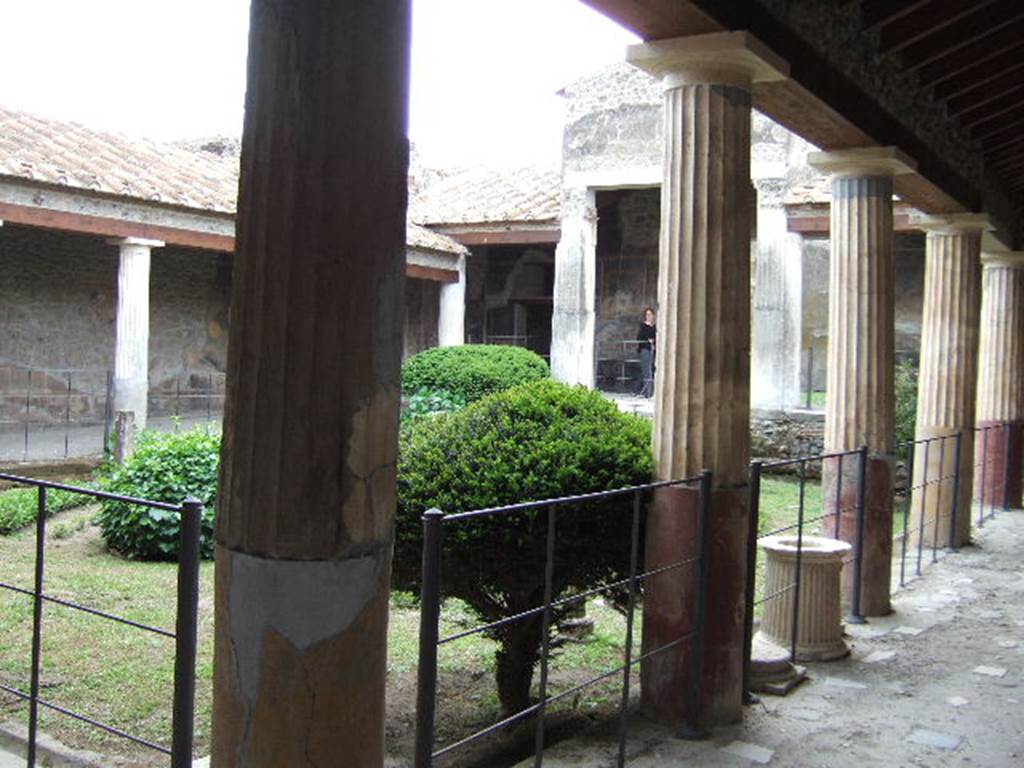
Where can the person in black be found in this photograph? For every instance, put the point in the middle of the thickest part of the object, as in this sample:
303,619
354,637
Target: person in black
646,338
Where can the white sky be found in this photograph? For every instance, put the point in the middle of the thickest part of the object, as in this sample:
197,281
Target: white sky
484,77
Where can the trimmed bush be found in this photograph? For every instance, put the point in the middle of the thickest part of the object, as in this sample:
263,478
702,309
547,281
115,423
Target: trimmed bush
19,506
429,402
535,441
167,468
471,371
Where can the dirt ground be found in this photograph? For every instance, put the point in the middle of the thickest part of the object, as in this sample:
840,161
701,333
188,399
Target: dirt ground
940,682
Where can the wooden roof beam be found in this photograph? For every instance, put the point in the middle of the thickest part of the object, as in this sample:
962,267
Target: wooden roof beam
997,89
924,22
878,12
999,42
981,73
992,109
986,128
969,29
1004,139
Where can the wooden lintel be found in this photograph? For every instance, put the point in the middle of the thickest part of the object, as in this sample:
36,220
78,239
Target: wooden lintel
432,273
508,237
819,224
107,227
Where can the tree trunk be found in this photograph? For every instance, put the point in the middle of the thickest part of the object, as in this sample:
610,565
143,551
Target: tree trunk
515,659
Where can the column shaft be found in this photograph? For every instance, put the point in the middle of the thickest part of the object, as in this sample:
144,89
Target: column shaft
702,391
307,486
131,352
451,318
947,386
1001,380
860,404
573,316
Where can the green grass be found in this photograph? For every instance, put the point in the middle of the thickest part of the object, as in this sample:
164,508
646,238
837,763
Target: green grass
19,506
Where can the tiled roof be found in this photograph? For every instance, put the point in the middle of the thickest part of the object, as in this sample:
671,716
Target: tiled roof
489,196
71,155
816,189
197,174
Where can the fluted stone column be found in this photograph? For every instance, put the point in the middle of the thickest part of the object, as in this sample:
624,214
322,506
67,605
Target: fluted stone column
948,379
451,316
861,341
305,514
1001,378
131,345
702,385
573,318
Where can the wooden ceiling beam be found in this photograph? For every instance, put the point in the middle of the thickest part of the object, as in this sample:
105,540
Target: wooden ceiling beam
981,73
924,22
1004,139
984,129
991,110
877,12
969,29
997,89
962,59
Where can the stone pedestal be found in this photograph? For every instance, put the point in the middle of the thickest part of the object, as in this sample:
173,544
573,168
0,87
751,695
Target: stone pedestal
702,385
860,380
131,351
948,378
305,512
1001,380
819,630
451,317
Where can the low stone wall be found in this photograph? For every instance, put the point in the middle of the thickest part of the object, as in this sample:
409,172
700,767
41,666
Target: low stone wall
776,435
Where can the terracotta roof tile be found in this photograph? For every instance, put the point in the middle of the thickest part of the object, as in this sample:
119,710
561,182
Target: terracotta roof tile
490,196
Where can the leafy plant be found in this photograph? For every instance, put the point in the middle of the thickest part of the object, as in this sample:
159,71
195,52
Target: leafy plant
168,468
471,371
19,506
536,441
906,400
428,402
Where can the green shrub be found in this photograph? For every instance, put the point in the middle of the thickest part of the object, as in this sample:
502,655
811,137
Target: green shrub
428,402
18,506
471,371
906,400
536,441
168,468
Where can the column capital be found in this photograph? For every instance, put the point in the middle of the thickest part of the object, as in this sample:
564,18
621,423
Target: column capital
136,241
953,223
1006,259
720,58
863,161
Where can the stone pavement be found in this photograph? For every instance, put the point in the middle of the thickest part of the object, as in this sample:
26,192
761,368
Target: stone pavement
10,760
940,682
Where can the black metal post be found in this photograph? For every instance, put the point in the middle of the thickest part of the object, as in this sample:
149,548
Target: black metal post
695,729
209,398
810,376
924,507
957,447
634,557
751,587
856,617
186,635
108,413
938,501
67,416
37,627
28,408
839,494
545,636
430,613
984,467
795,621
1007,464
911,450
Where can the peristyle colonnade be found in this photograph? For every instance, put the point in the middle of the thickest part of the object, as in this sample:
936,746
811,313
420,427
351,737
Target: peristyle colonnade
308,474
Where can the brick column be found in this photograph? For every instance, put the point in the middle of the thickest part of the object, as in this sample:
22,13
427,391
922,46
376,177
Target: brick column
131,345
702,385
1001,377
307,488
948,377
861,340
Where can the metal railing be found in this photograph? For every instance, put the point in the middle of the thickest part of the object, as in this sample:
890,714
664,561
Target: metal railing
50,413
436,522
617,366
986,468
184,634
828,523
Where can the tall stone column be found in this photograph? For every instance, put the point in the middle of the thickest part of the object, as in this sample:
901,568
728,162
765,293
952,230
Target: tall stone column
948,378
131,344
451,318
573,319
307,488
702,384
778,283
861,341
1001,379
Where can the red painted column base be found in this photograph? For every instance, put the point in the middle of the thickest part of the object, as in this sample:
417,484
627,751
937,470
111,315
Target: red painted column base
999,458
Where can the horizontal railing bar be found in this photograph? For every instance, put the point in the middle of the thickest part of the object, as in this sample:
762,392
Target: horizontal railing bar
525,505
95,723
27,481
488,730
775,594
807,459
